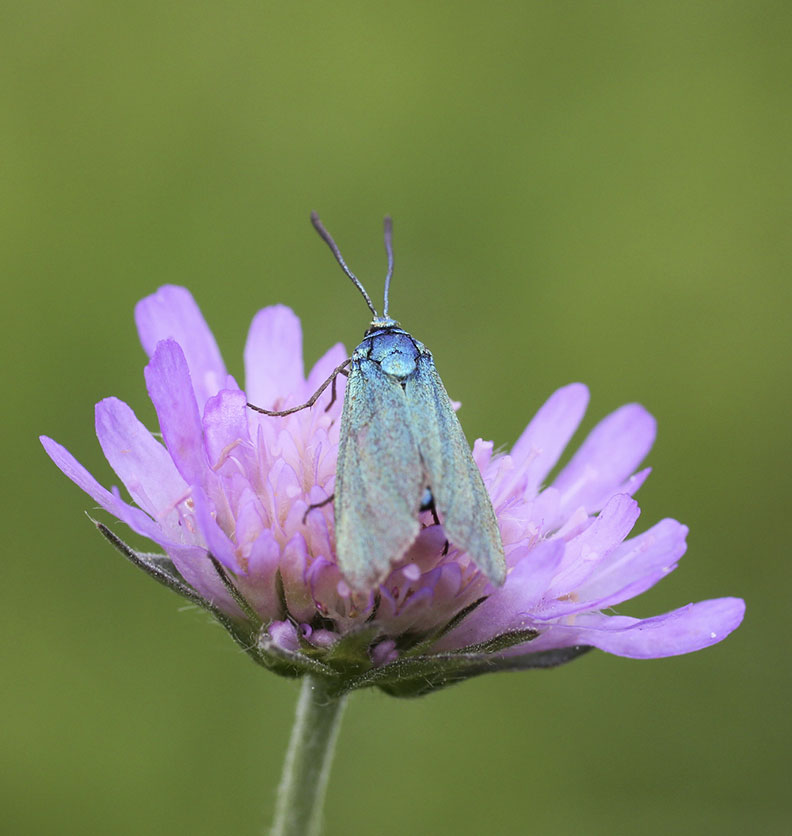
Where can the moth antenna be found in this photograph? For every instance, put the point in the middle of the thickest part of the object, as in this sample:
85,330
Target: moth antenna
388,225
328,239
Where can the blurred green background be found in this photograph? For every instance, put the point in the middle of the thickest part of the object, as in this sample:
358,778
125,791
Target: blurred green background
581,191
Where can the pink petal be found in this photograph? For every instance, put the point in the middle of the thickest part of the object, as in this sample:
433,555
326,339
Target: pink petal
591,547
195,567
295,587
320,372
632,484
332,358
273,358
258,585
685,630
610,454
141,462
508,607
171,313
217,541
225,426
284,635
635,566
136,519
539,447
170,389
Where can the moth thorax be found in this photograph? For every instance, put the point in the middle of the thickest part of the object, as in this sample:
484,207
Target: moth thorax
395,352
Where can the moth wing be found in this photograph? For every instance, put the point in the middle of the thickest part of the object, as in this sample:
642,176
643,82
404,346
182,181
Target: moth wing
379,477
460,496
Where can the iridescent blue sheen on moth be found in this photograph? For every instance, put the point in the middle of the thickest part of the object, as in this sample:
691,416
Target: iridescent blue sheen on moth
401,449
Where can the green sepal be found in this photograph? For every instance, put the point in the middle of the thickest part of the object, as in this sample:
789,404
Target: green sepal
161,568
239,599
440,671
158,566
501,642
286,663
350,655
346,665
435,636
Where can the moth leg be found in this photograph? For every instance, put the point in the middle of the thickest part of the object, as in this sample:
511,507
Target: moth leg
312,400
338,371
375,608
446,545
317,505
428,505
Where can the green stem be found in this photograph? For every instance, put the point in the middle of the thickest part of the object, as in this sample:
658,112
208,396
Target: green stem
307,768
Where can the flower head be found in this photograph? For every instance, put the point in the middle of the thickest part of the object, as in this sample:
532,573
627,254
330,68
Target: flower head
229,496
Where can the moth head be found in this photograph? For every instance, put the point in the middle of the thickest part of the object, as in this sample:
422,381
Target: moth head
380,322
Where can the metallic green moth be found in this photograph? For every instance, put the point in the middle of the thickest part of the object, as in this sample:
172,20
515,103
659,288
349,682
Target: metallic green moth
401,451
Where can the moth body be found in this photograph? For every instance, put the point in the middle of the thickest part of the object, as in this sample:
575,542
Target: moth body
401,451
392,349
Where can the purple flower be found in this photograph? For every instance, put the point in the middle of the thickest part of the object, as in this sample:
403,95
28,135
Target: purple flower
226,496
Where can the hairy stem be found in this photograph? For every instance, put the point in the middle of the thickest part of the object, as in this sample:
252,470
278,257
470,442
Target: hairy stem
310,755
